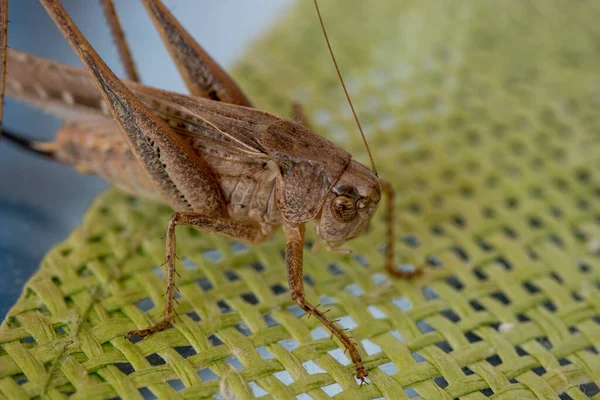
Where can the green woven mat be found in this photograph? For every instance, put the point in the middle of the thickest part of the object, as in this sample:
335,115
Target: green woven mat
486,117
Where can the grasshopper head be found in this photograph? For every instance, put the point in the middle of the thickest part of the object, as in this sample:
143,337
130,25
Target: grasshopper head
350,205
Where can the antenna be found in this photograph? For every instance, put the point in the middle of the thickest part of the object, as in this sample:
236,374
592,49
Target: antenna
345,90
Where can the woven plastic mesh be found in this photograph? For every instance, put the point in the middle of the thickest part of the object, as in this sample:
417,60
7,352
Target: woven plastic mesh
485,117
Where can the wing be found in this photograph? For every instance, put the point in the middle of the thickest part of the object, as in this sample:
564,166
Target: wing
235,140
70,94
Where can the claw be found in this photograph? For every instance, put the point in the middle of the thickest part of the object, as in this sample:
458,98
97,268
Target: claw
161,326
361,374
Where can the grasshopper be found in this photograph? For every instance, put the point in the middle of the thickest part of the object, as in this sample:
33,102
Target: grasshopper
223,166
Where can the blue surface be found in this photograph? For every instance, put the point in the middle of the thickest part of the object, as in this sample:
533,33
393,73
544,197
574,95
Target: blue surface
41,201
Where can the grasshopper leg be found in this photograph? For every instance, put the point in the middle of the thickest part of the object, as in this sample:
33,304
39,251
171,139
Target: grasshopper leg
220,225
202,75
119,38
3,50
171,164
389,192
293,257
390,195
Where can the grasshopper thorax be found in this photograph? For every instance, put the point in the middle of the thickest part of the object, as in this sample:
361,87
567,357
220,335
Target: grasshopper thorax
350,205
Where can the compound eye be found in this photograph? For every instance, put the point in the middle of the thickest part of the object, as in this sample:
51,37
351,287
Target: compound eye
343,208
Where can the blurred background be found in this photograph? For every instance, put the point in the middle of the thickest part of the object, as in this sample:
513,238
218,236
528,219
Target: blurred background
41,201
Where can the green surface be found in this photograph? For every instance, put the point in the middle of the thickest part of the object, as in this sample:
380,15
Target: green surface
484,114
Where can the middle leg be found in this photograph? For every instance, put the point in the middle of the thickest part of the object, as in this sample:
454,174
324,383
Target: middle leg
224,226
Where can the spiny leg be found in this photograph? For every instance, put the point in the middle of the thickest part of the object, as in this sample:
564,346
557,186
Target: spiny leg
219,225
294,234
390,194
184,179
3,50
110,13
202,75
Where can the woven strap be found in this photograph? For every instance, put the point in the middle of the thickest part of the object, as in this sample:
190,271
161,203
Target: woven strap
484,114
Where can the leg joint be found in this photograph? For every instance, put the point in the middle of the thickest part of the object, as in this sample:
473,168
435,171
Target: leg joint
174,218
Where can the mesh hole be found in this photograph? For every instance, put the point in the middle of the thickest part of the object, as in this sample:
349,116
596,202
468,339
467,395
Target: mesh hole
284,377
444,346
376,312
224,307
250,298
207,375
155,359
231,276
257,266
214,255
264,353
147,393
235,363
205,284
145,304
590,389
334,269
176,384
243,329
257,390
278,289
388,368
214,340
455,282
494,360
332,390
289,344
194,316
125,368
319,333
370,347
270,321
441,382
312,368
450,315
185,351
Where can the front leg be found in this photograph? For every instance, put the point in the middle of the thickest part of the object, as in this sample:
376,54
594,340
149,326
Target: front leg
294,234
224,226
390,220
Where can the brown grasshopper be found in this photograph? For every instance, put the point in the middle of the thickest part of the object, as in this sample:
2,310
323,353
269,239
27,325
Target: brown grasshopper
223,166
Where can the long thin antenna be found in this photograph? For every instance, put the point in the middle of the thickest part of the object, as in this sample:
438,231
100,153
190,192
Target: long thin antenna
345,90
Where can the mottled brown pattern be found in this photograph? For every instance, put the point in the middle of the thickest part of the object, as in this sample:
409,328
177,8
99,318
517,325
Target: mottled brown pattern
98,148
202,75
94,148
224,168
